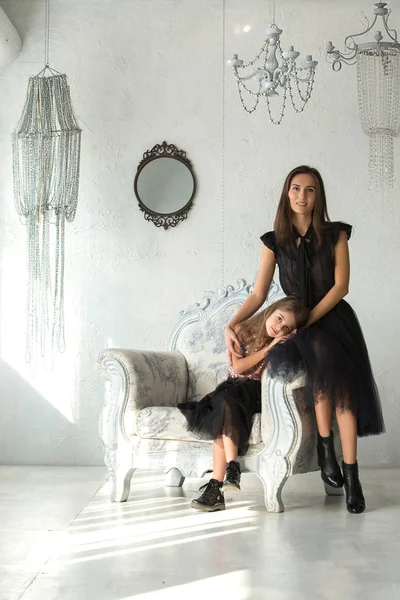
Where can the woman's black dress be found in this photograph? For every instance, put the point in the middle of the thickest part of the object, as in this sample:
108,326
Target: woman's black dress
332,351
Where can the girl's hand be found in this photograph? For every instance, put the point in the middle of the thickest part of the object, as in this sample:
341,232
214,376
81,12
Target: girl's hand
231,339
281,339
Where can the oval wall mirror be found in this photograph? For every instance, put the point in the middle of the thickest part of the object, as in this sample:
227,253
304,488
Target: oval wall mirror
165,185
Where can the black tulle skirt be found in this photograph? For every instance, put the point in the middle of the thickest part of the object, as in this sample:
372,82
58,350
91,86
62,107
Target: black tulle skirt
228,410
333,355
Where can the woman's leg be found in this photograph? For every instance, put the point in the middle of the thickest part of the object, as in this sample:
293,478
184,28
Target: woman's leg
323,413
219,459
330,470
347,422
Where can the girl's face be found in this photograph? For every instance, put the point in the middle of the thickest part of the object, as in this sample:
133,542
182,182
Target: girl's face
281,322
302,194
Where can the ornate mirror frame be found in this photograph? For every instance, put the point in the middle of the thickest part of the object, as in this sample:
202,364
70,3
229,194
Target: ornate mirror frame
164,151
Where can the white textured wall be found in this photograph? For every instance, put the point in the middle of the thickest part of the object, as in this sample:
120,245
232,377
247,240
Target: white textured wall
144,71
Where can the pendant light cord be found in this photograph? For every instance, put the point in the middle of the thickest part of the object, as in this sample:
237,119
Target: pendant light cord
223,149
46,32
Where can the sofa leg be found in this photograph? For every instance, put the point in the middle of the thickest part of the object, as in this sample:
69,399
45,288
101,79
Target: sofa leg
174,478
273,474
121,479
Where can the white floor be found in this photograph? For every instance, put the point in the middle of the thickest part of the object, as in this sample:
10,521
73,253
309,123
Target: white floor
61,539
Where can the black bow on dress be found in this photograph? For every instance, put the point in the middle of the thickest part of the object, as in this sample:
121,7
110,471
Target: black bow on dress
304,265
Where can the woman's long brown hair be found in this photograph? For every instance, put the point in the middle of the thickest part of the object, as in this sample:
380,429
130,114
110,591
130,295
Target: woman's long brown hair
283,226
253,334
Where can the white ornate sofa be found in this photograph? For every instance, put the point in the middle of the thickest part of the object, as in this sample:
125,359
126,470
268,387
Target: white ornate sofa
141,428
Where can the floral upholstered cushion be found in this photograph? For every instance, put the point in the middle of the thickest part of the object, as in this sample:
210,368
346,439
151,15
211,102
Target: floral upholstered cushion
168,423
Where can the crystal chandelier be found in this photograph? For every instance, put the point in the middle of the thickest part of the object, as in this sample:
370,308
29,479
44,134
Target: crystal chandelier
46,158
378,83
277,69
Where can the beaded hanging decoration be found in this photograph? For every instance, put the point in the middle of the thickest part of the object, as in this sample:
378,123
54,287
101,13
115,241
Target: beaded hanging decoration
46,158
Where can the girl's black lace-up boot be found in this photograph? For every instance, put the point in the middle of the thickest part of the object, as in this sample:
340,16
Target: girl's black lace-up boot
212,497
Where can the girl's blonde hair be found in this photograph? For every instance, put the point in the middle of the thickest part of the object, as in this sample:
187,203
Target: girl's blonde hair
253,333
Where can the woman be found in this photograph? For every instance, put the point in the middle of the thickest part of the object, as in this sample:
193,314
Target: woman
313,259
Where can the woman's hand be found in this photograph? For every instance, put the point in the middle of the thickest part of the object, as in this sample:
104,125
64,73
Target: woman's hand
231,339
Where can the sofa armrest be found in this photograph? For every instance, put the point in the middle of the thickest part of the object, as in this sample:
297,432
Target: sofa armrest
134,379
297,383
288,426
278,409
148,378
280,419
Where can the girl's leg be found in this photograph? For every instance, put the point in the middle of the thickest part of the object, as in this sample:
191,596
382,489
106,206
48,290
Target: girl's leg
219,459
230,448
212,498
232,478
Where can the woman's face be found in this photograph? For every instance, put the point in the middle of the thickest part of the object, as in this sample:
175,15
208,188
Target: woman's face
302,194
281,322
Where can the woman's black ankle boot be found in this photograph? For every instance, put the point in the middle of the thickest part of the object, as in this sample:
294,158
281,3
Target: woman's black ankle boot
330,470
354,495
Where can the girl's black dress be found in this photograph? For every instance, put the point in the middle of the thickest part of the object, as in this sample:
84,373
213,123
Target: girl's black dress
332,352
228,410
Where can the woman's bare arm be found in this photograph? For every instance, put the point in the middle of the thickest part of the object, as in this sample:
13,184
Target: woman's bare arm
253,302
261,288
342,278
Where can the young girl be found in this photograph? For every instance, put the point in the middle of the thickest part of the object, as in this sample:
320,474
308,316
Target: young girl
226,414
313,259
